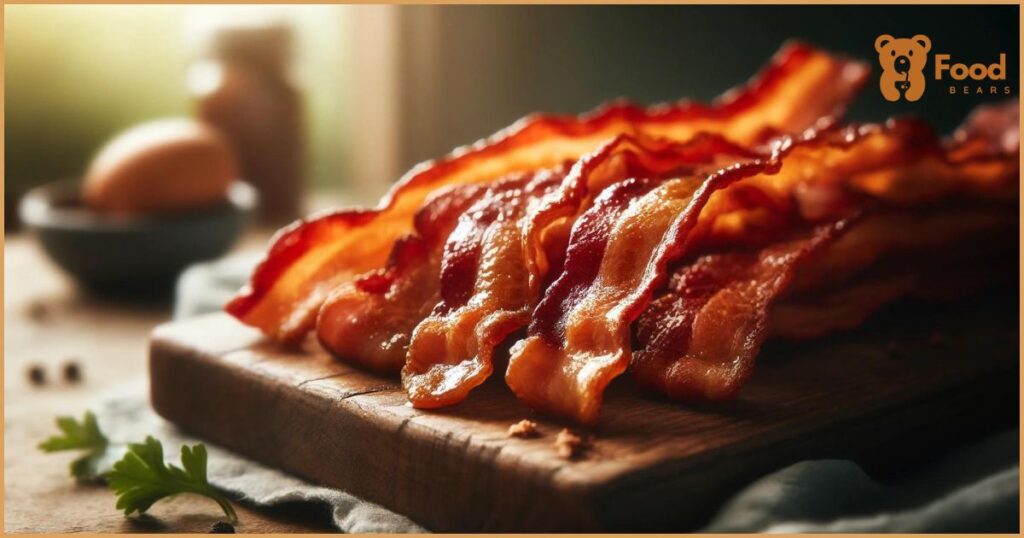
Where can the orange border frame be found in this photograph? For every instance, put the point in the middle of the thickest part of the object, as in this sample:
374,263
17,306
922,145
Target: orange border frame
577,2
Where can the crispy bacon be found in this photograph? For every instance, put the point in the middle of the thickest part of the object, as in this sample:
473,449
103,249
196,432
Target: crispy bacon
310,259
547,229
937,235
579,339
483,296
698,339
369,321
814,316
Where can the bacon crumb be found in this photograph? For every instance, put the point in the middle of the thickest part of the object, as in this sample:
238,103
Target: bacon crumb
569,445
524,429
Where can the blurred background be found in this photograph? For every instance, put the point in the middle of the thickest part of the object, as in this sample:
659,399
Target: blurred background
383,87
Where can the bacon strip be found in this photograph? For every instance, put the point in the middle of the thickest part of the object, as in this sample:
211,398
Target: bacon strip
483,297
369,321
698,339
580,339
310,259
625,156
848,307
938,235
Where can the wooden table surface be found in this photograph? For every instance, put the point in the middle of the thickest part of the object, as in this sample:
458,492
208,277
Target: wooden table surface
47,321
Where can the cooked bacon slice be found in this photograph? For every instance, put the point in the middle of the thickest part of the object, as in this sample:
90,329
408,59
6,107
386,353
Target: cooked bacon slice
838,310
547,229
690,345
310,259
580,335
699,338
483,296
849,306
936,235
572,351
369,321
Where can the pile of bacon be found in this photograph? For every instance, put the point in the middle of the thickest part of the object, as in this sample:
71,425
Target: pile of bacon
669,242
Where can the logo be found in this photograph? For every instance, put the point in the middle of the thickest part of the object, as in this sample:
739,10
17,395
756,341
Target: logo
902,62
968,77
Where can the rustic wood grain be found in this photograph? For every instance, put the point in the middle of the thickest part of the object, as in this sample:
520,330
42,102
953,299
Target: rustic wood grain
915,379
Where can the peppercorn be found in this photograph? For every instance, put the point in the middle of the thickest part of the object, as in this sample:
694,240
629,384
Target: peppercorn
72,371
37,375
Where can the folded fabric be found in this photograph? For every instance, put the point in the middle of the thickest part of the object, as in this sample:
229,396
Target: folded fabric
975,489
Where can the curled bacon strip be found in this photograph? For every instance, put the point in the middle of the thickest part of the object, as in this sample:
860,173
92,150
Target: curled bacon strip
580,336
849,306
310,259
698,340
938,235
369,320
483,296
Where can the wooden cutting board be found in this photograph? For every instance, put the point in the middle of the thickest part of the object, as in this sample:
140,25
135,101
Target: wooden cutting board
890,393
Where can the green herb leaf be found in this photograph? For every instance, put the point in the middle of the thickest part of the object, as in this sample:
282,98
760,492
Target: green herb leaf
142,478
84,435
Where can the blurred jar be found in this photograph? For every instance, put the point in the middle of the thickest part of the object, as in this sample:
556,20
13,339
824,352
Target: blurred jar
241,84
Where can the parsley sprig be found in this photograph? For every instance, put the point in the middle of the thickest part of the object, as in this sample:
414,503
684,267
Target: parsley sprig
142,478
85,436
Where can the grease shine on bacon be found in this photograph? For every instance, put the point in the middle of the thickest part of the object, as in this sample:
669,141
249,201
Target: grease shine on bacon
483,295
671,242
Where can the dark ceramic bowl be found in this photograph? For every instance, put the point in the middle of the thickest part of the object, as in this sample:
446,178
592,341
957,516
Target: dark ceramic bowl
131,254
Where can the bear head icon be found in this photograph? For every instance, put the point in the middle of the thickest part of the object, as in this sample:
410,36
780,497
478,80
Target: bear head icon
902,62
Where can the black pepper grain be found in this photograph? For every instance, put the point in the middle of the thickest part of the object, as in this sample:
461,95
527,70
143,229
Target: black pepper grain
37,375
72,371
